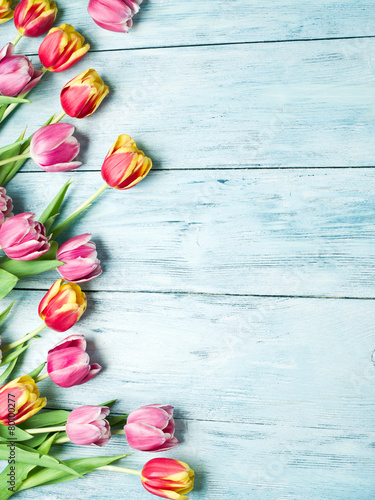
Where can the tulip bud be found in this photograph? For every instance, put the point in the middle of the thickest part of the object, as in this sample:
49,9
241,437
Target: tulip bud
80,258
114,15
17,75
6,206
68,363
151,428
22,238
53,148
125,165
62,306
62,48
87,426
19,400
6,13
33,18
83,94
168,478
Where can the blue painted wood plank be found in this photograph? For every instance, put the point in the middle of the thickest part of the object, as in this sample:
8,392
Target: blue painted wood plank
274,397
303,104
163,23
265,232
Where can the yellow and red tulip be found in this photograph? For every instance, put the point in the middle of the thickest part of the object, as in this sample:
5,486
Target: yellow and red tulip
33,18
6,13
62,306
62,48
19,400
125,165
83,94
168,478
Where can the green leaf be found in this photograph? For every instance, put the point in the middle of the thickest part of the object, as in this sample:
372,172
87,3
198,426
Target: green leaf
7,282
14,355
5,313
10,100
9,151
11,146
56,231
34,373
27,455
81,465
46,419
54,206
22,269
6,373
117,421
109,403
21,471
17,434
37,439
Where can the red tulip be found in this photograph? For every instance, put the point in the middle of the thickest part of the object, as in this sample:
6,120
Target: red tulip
168,478
19,400
34,17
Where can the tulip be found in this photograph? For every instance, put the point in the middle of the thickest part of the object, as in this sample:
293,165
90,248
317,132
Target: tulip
17,75
68,363
6,206
168,478
125,165
33,18
6,13
62,306
83,94
80,258
62,48
114,15
151,428
87,426
22,238
19,400
53,148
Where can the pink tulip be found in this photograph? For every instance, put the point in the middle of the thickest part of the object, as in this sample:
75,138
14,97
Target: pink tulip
53,148
80,258
17,75
151,428
22,238
114,15
6,206
68,363
87,426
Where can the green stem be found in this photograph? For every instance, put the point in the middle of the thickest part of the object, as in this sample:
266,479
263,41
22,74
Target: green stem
41,430
59,117
113,468
17,39
62,440
15,158
41,377
117,432
25,338
89,200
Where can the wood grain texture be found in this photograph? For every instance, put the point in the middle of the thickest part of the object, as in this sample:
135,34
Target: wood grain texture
275,397
163,23
262,232
270,105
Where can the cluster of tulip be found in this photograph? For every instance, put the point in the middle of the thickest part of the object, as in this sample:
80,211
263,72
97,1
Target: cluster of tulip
30,247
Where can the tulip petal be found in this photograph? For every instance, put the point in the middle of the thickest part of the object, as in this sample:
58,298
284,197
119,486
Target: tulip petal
154,416
50,137
144,437
94,370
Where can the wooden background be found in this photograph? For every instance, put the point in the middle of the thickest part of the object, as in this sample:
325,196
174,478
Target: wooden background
238,277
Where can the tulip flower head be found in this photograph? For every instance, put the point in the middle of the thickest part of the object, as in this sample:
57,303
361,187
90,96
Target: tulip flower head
6,13
68,363
151,428
17,75
83,94
80,258
19,400
53,148
125,165
62,306
87,426
168,478
23,238
6,206
62,48
114,15
33,18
